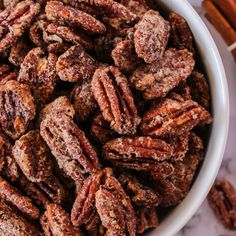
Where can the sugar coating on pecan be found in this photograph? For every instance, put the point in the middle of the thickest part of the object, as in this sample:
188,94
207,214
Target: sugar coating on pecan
14,20
222,200
6,74
12,196
111,90
181,36
39,73
138,7
151,36
158,78
100,130
199,89
11,223
57,221
72,150
57,12
33,157
171,117
83,101
17,108
124,56
75,65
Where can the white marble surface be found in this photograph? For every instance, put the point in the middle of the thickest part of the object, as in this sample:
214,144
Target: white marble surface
204,222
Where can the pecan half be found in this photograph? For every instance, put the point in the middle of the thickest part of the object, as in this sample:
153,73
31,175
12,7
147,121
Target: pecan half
100,130
199,89
33,157
69,145
138,7
56,222
14,20
222,200
21,203
181,36
170,117
151,36
6,74
111,90
39,73
75,65
57,12
83,101
158,78
58,47
124,56
17,108
11,223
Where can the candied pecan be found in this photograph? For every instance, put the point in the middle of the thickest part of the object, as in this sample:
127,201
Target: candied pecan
18,52
151,36
199,89
14,20
138,7
158,78
57,12
100,130
21,203
56,222
11,223
222,200
139,194
83,101
195,144
171,117
115,209
33,157
146,219
39,73
69,35
69,145
12,3
137,149
17,108
111,90
6,74
75,65
124,56
58,47
180,34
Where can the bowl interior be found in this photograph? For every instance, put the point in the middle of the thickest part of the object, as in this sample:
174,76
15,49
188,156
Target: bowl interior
220,109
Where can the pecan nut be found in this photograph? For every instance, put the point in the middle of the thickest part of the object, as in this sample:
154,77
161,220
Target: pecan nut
17,108
32,156
39,73
111,90
171,117
6,74
151,36
57,12
222,199
158,78
72,150
138,7
56,222
23,204
75,65
83,101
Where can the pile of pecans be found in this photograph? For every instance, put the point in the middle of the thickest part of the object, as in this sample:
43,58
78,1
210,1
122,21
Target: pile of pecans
103,116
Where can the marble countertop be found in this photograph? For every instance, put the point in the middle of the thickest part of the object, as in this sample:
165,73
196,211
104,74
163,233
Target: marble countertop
204,221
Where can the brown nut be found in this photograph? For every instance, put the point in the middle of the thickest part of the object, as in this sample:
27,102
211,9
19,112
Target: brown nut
170,117
57,12
21,203
6,74
138,7
75,65
33,157
151,36
39,73
111,90
17,108
56,222
222,200
72,150
158,78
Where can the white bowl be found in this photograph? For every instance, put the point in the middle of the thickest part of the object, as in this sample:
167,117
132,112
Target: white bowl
220,104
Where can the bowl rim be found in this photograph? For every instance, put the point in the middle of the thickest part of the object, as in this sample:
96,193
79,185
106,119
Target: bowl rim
219,133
